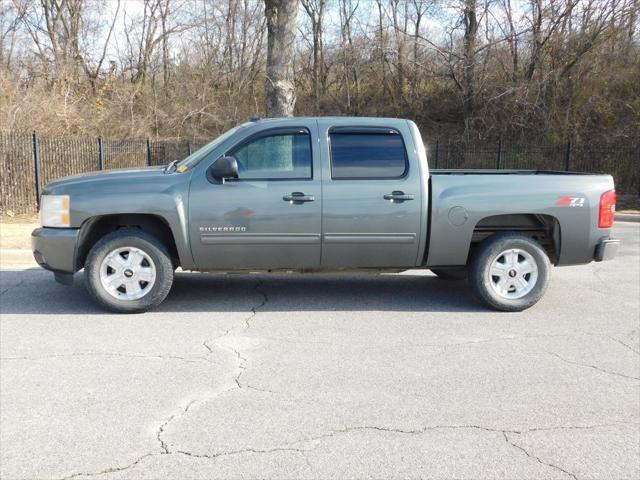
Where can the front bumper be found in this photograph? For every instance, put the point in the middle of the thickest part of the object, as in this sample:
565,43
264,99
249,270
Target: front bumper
606,249
55,248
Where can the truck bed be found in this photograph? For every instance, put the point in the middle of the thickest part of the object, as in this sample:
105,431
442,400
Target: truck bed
461,199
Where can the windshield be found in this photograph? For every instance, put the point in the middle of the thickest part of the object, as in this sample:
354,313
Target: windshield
195,157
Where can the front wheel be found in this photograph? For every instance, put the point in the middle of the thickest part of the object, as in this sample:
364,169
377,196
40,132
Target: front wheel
128,271
510,272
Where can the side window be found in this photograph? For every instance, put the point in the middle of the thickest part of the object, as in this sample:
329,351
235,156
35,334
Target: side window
360,154
277,156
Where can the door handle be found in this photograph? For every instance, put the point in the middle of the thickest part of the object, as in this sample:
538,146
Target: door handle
398,196
298,198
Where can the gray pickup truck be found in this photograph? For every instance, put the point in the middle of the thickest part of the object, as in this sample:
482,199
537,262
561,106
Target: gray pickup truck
321,194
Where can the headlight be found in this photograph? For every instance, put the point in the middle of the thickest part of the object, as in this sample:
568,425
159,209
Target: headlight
54,211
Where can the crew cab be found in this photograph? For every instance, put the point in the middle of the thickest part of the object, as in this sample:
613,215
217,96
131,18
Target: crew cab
321,194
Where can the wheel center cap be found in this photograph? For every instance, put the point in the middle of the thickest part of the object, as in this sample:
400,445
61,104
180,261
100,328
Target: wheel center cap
512,273
128,273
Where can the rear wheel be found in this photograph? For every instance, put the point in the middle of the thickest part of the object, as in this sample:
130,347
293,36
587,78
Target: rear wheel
129,271
510,272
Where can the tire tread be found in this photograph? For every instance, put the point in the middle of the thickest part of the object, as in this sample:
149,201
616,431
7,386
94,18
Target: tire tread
129,236
487,251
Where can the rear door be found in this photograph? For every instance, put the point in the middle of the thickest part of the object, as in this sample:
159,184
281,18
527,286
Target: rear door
270,216
371,195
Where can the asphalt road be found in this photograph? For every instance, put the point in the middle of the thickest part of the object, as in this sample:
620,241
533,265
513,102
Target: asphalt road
295,376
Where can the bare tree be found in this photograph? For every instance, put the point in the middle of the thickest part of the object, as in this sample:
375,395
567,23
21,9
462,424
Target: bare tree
315,11
10,19
470,21
543,69
350,74
280,96
420,8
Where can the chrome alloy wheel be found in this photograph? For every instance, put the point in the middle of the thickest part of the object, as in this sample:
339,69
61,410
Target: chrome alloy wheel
513,273
127,273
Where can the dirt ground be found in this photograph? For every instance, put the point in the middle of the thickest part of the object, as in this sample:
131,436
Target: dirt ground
16,235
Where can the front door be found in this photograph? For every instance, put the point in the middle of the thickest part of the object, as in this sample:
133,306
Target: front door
270,216
372,196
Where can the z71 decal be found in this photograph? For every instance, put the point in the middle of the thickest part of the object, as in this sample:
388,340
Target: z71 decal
571,201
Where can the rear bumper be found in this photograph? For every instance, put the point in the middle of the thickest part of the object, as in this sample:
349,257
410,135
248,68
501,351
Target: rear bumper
606,249
55,248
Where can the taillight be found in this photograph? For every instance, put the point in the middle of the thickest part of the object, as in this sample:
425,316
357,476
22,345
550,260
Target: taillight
607,209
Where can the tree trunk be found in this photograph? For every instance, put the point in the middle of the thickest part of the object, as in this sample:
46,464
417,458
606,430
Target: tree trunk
469,60
416,53
383,57
279,88
315,11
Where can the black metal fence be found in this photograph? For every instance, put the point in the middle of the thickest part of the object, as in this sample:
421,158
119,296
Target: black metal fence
622,160
27,162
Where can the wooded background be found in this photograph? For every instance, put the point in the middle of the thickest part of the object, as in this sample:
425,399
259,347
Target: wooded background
535,70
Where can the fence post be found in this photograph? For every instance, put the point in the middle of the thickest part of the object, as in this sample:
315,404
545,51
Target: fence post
499,159
189,147
149,156
100,154
567,155
36,165
436,159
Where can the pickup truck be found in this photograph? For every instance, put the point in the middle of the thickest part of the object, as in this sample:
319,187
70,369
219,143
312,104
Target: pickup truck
321,194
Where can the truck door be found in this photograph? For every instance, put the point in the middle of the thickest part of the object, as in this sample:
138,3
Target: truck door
270,216
372,194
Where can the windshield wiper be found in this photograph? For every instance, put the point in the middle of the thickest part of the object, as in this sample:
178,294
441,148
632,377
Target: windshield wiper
171,166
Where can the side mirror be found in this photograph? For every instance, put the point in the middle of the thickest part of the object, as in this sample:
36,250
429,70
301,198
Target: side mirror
225,168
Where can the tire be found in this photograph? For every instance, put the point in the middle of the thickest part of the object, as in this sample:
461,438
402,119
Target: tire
450,273
510,256
139,261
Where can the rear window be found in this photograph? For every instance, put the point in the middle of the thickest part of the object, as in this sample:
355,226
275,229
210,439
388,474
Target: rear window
361,154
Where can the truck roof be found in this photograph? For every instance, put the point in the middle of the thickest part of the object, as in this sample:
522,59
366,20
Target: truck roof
333,117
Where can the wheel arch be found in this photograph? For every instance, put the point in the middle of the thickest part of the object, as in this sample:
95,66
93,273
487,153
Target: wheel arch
543,228
94,228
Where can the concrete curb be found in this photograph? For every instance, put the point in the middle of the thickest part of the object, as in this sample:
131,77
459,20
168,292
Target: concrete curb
628,217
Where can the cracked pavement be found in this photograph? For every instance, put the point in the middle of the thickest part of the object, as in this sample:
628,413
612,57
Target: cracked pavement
324,376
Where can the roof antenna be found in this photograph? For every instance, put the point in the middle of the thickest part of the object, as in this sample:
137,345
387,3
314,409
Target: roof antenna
254,118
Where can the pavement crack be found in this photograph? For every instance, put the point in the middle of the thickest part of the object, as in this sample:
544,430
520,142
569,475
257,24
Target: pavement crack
241,360
290,447
21,282
575,427
108,470
264,390
628,347
243,451
422,430
595,367
110,354
254,309
241,366
207,346
402,431
613,339
164,446
538,459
